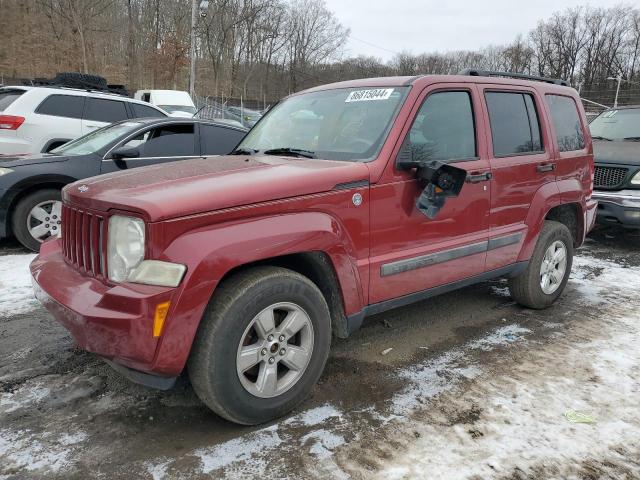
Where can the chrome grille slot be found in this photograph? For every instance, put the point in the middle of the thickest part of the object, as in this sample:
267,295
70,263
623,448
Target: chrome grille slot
609,177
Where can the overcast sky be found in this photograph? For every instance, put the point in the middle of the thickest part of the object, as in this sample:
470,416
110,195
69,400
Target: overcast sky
381,28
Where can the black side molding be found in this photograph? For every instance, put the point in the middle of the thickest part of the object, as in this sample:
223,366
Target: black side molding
355,321
146,379
350,185
498,242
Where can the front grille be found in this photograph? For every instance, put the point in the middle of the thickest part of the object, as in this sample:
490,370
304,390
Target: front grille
83,240
609,177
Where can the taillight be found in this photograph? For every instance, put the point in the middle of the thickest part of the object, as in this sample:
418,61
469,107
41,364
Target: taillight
10,122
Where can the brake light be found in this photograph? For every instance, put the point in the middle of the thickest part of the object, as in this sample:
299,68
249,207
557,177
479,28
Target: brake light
10,122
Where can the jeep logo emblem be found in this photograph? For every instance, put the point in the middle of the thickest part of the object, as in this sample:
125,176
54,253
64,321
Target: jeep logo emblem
83,188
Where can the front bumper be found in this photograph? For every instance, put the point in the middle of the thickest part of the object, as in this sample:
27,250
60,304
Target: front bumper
113,321
620,207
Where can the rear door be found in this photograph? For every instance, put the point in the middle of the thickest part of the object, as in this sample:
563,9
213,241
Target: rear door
160,144
522,161
218,140
409,251
99,112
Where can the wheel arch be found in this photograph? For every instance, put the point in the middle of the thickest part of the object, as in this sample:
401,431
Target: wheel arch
570,215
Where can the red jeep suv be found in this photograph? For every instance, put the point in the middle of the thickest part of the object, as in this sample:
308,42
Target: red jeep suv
343,201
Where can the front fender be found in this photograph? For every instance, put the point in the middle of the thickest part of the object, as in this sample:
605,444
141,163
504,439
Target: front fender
211,252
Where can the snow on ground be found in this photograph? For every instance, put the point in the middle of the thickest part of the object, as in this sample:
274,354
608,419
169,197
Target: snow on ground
16,292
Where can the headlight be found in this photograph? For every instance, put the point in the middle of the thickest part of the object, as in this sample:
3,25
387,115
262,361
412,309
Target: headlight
4,171
636,179
125,253
125,249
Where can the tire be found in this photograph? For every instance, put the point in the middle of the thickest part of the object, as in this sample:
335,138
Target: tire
225,329
527,289
22,212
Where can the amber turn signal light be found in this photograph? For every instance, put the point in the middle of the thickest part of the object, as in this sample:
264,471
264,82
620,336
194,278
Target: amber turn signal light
158,319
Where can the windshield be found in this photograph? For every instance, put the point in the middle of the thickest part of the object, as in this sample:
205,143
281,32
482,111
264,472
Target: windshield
617,124
178,108
96,140
343,124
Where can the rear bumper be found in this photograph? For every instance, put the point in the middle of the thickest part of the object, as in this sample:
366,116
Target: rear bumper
115,322
620,207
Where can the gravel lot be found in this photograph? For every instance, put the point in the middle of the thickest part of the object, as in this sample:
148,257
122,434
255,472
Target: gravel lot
474,387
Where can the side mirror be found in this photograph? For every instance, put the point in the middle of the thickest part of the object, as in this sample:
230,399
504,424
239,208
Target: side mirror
125,152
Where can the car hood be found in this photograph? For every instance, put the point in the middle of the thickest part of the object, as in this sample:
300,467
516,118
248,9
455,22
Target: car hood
8,161
176,189
617,152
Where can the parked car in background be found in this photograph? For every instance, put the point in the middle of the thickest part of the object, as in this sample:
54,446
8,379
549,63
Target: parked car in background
345,200
616,151
38,119
247,116
175,102
30,186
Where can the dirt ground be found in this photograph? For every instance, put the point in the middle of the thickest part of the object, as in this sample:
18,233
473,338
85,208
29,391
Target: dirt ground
474,387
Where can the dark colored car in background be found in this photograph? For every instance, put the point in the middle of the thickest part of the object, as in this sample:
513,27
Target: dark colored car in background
30,186
616,152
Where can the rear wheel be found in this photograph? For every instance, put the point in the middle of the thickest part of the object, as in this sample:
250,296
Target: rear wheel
548,271
37,217
262,345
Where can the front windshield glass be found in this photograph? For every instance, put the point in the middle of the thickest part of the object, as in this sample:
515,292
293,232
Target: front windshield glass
342,124
617,124
178,108
96,140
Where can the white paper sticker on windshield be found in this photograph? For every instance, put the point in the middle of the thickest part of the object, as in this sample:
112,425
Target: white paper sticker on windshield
366,95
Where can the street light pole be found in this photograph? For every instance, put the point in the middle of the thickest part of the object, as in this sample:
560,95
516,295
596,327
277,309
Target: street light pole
619,80
192,49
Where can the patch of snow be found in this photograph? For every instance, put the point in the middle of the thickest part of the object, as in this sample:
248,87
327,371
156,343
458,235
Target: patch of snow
501,291
500,337
24,397
22,450
324,442
601,281
315,416
73,438
16,292
158,471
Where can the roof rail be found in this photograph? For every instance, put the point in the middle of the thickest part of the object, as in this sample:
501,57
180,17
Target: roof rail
475,72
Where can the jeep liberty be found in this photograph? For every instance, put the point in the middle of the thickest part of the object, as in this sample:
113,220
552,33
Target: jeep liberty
345,200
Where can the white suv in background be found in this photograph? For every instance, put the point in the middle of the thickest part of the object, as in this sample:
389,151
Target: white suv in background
39,119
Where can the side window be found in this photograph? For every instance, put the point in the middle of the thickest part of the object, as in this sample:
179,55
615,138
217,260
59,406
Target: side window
219,140
102,110
166,141
142,111
443,128
515,128
69,106
566,122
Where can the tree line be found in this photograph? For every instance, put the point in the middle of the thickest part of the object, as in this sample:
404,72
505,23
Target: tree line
261,50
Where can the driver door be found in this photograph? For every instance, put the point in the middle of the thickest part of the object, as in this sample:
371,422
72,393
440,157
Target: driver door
410,252
164,143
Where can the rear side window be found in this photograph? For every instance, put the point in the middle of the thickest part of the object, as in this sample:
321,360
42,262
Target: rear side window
219,140
142,111
515,128
7,97
69,106
566,123
443,128
102,110
176,140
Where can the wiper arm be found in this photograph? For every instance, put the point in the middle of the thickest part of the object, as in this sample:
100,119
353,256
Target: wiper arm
291,151
243,151
598,137
635,139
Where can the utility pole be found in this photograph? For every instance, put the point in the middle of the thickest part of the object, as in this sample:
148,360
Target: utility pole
619,80
192,49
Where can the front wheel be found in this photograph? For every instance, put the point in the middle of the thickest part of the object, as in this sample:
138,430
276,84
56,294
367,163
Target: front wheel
262,345
37,217
548,271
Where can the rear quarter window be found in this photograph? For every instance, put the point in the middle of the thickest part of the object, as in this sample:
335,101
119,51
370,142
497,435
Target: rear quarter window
219,140
142,111
566,122
69,106
7,97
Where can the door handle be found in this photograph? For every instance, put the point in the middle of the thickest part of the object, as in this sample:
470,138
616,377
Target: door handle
546,167
479,177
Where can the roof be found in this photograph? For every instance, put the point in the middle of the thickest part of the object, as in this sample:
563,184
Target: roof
166,120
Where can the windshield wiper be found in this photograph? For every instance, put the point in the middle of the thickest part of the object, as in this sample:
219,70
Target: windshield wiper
290,151
633,139
598,137
243,151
